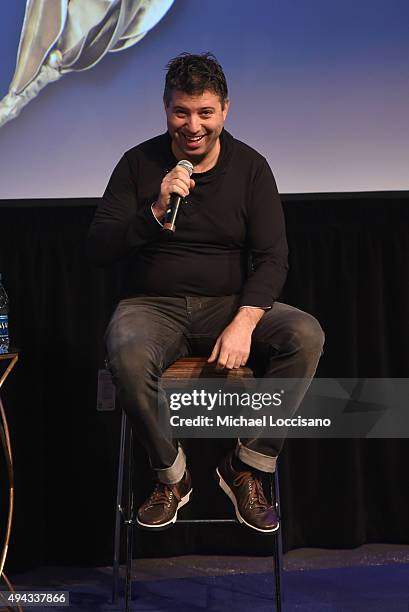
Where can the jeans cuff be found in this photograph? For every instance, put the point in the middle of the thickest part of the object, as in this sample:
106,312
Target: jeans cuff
175,472
265,463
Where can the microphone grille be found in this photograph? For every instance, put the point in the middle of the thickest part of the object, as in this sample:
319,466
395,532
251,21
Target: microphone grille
187,165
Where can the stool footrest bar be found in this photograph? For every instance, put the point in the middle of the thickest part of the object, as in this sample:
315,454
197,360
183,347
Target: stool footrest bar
206,521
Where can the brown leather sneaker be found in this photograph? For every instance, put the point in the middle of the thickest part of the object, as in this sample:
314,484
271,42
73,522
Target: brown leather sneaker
245,490
160,510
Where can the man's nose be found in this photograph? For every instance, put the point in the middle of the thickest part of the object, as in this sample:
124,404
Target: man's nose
193,124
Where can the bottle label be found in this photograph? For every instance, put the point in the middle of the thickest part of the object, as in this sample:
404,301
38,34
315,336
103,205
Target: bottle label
4,327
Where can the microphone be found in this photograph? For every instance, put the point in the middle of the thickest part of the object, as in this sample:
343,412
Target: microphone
175,200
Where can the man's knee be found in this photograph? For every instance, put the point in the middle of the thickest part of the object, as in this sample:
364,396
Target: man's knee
296,331
133,361
305,333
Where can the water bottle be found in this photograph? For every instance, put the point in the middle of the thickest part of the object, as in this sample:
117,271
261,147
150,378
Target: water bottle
4,320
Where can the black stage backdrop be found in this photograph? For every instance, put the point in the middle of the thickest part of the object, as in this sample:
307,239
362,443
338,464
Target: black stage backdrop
349,267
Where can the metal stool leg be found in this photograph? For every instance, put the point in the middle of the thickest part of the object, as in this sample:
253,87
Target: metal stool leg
278,545
119,510
129,522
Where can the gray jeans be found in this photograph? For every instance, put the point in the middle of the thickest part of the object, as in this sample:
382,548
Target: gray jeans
146,334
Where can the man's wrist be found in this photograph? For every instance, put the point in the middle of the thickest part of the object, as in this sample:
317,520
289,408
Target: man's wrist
158,212
250,315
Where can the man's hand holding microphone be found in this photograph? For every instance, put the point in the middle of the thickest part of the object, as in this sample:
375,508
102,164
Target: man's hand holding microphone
176,186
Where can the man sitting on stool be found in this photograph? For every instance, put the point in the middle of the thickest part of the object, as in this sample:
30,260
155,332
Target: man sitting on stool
195,288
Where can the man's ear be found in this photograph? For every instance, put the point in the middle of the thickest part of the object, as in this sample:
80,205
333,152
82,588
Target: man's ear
226,108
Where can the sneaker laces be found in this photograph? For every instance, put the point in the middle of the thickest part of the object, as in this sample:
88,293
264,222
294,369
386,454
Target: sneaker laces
162,494
257,498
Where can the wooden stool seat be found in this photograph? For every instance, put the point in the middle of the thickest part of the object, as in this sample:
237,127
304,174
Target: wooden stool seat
198,367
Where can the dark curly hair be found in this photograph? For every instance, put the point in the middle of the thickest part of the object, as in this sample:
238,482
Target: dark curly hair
194,74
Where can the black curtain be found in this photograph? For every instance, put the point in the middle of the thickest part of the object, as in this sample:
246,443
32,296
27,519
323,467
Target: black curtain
348,267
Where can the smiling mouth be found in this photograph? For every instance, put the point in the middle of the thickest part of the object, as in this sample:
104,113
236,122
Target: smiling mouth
193,138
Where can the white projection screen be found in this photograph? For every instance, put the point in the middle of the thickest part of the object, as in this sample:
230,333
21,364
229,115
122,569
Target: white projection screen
320,88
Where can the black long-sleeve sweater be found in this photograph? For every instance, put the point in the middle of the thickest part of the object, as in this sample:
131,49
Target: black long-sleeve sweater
233,211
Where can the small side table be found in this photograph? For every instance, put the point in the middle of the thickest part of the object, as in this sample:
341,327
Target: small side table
12,358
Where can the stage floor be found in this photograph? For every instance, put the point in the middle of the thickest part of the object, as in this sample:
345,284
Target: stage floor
214,565
371,578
